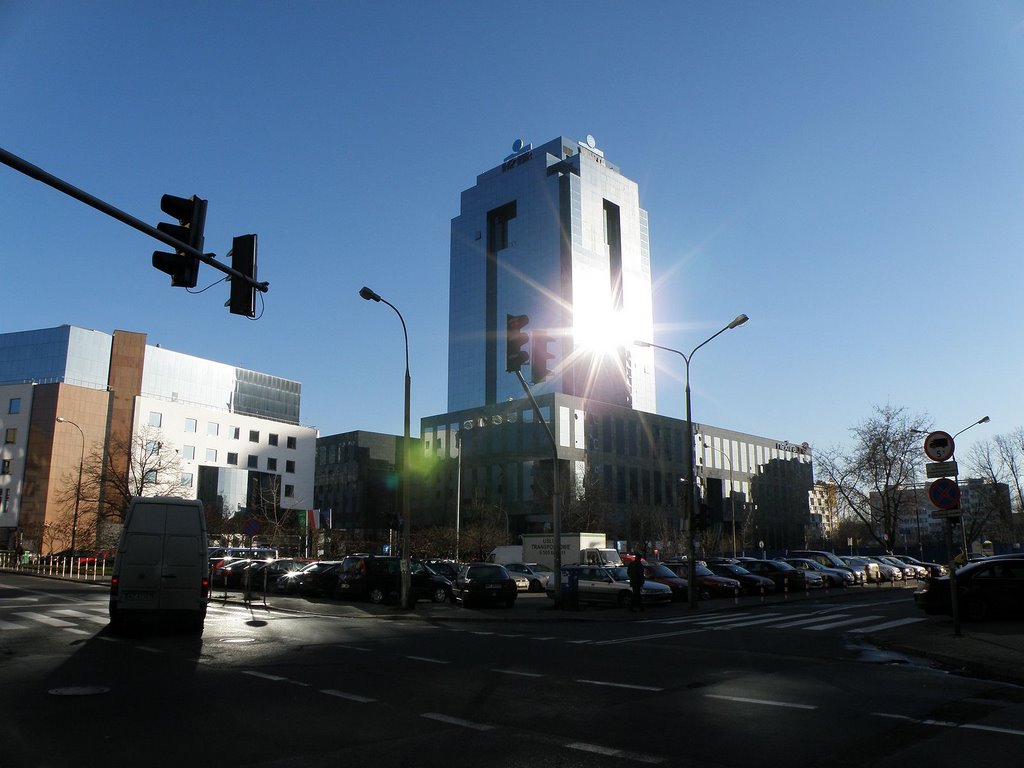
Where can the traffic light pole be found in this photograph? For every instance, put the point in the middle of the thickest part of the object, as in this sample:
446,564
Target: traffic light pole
556,499
37,173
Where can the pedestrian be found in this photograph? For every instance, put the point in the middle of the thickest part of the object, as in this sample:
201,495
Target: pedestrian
636,582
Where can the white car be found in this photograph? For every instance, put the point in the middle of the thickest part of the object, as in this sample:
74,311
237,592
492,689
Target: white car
609,584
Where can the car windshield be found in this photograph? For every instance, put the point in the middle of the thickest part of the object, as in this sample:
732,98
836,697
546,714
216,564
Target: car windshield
618,573
701,570
485,572
736,570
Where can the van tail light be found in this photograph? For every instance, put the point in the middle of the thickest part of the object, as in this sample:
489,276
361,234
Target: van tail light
204,586
114,584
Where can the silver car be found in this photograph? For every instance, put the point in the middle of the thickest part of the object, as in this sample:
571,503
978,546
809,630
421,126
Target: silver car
610,584
539,576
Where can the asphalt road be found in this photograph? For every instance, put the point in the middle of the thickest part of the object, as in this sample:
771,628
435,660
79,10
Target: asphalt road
792,683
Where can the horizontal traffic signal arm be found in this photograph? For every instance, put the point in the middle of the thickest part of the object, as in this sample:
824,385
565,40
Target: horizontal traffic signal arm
37,173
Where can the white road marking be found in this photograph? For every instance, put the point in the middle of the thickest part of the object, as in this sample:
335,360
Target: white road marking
765,702
611,752
42,618
457,721
428,660
517,672
845,622
621,685
887,625
349,696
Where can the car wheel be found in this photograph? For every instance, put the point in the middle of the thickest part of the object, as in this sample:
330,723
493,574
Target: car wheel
511,602
624,598
536,586
977,609
376,595
439,595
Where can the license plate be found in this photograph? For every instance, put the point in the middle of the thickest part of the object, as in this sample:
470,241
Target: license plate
135,595
492,586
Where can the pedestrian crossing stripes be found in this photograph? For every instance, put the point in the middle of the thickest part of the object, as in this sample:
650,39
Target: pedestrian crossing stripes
20,617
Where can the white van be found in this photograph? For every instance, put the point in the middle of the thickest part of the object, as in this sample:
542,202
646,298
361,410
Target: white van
161,569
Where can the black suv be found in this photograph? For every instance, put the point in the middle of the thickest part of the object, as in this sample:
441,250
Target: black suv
377,578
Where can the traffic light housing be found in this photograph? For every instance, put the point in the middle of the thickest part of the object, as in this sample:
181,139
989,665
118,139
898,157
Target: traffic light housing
701,517
243,292
539,357
515,339
190,214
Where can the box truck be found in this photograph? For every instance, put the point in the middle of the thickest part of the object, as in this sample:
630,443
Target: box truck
576,548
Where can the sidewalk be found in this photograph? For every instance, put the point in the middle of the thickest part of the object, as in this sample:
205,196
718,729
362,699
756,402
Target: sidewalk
991,649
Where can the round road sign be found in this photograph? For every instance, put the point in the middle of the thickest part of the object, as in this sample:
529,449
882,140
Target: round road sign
944,493
938,446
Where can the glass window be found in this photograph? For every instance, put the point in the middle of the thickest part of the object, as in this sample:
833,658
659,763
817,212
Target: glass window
14,406
291,442
272,439
190,425
212,428
233,458
289,491
289,466
236,433
152,446
188,452
11,435
254,435
253,462
155,419
186,479
271,464
149,476
5,467
211,454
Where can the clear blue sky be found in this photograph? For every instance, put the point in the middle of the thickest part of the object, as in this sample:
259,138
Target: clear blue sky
848,174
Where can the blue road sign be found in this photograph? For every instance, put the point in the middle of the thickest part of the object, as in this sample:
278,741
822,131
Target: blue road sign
944,493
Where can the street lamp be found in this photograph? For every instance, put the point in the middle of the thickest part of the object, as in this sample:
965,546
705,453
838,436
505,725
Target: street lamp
691,568
982,420
78,488
369,295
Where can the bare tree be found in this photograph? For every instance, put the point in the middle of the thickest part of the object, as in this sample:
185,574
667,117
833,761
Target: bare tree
153,468
871,477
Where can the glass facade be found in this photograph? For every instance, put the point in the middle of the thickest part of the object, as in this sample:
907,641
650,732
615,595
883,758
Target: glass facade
555,233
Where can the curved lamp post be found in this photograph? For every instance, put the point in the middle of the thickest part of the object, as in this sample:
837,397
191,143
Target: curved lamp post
369,295
78,488
690,490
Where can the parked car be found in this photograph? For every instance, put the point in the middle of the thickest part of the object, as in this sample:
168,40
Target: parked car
985,589
871,570
785,576
447,568
910,571
378,578
708,583
662,574
316,578
608,584
750,583
230,574
934,569
538,575
834,577
263,574
887,571
830,560
484,583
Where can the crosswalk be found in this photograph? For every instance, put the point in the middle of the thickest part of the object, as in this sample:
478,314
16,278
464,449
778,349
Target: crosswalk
27,613
845,619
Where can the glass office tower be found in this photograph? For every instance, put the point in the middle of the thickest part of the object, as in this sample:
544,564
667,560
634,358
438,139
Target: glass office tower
555,233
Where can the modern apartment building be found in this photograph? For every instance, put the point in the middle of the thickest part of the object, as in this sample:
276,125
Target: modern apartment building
68,393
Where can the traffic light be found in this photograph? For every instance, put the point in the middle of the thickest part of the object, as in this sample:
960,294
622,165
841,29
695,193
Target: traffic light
515,340
191,215
539,357
701,517
243,259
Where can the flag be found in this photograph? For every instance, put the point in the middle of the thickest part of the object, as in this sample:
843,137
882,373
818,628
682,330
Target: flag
325,518
312,518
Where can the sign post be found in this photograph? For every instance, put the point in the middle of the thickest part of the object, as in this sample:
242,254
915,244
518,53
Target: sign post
945,495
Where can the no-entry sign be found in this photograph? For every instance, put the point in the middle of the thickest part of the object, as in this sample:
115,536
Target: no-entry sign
938,446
